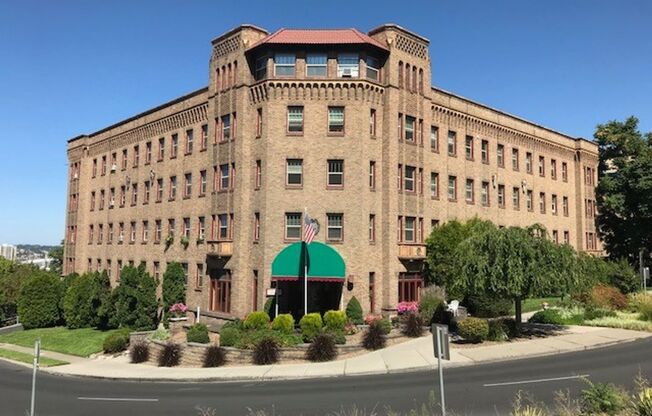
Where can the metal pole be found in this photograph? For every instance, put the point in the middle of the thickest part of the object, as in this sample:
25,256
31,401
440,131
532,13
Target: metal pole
640,266
441,373
37,348
305,277
276,300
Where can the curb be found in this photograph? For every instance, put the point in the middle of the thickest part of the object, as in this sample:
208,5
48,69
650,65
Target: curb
263,378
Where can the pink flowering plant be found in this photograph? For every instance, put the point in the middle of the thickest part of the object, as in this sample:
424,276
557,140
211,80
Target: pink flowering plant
371,318
178,310
408,307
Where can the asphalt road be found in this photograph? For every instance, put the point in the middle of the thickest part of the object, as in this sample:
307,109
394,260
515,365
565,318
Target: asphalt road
476,390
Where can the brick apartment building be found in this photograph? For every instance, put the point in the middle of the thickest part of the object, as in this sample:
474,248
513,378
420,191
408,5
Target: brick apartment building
339,124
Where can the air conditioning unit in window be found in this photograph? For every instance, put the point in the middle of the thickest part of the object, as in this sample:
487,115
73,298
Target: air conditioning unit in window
120,239
113,167
346,73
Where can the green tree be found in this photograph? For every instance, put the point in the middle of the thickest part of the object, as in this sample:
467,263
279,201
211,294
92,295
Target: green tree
624,191
56,265
441,248
514,263
12,276
174,286
134,300
86,302
39,300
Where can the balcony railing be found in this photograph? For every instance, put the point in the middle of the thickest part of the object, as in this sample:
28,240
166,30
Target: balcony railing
220,248
412,251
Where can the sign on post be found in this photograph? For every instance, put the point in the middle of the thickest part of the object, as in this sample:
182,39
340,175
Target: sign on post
442,352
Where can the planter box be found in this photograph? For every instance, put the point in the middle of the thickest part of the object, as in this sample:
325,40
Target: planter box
180,319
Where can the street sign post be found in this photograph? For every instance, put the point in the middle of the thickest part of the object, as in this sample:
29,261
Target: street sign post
646,275
442,352
37,358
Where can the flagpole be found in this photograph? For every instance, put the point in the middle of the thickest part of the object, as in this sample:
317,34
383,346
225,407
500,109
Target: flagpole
305,276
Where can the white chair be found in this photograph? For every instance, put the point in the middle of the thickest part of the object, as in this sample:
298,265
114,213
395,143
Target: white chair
453,306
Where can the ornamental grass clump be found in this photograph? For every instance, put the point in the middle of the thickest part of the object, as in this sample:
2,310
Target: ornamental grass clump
322,349
266,352
412,325
139,352
607,297
602,398
170,355
431,298
473,330
374,338
215,356
642,303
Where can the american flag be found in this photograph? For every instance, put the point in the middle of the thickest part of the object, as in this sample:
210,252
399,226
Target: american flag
309,229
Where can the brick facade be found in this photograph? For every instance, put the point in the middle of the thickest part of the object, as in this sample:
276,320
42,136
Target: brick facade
397,140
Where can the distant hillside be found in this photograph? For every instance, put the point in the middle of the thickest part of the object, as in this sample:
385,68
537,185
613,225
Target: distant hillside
34,248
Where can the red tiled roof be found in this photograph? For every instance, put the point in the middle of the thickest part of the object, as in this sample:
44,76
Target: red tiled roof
318,37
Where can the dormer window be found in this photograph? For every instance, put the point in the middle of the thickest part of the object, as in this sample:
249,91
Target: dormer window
316,65
373,68
348,65
284,64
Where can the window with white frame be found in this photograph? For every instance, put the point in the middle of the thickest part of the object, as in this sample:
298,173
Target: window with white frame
452,188
434,184
373,68
348,65
295,119
284,64
260,71
223,223
469,190
292,226
409,178
225,180
294,174
434,138
516,200
484,194
336,119
335,230
316,65
501,196
335,172
409,229
409,128
452,143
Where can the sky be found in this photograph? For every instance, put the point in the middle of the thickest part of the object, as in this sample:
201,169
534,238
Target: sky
74,67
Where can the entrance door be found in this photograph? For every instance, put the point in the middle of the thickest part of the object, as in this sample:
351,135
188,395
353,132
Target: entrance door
220,292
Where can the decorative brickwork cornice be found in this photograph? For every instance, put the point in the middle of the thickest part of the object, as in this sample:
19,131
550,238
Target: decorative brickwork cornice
359,90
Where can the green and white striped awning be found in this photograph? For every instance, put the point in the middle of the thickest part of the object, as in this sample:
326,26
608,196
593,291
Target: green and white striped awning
324,263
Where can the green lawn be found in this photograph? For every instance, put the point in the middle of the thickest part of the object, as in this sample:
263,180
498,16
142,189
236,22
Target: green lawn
531,305
81,342
28,358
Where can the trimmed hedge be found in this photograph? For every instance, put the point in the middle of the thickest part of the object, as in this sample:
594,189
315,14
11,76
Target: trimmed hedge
257,320
335,320
87,301
486,306
311,325
548,316
354,311
135,300
39,300
283,323
230,336
473,329
116,342
198,333
174,286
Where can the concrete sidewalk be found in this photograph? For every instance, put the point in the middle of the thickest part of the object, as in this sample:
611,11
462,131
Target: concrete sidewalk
413,355
50,354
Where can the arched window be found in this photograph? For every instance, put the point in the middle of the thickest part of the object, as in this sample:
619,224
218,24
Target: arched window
421,81
400,74
414,78
407,76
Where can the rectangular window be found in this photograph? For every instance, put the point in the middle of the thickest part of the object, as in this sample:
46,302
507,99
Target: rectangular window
514,159
372,228
564,171
373,68
147,192
469,191
175,146
204,137
173,188
528,162
295,119
529,202
292,226
259,122
500,155
258,175
564,205
555,236
452,188
409,287
348,65
468,147
409,128
199,275
409,178
161,149
202,182
123,196
189,141
223,227
260,71
452,143
187,186
121,232
225,180
145,231
336,120
159,189
256,226
103,169
225,121
94,172
372,122
434,138
124,159
284,64
542,202
316,65
335,228
516,199
158,231
134,194
132,232
553,169
484,194
294,172
434,185
220,293
92,200
201,228
372,294
186,227
109,238
566,237
501,196
372,175
335,173
484,150
542,166
409,234
553,204
114,161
